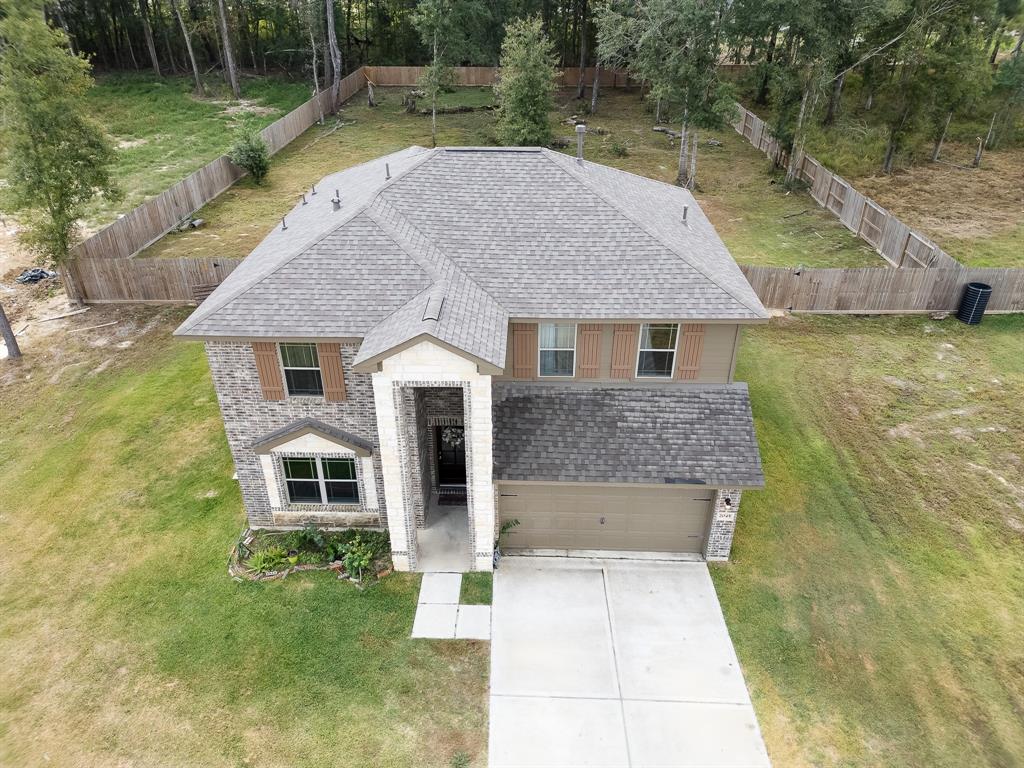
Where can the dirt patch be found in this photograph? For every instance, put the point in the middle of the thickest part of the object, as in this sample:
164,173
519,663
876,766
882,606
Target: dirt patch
246,107
950,202
131,143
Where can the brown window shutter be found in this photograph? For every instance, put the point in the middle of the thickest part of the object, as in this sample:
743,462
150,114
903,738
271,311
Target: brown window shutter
269,369
331,371
688,365
524,350
588,350
624,340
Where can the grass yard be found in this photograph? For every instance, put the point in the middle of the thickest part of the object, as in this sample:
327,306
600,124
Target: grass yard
758,220
122,639
877,584
163,133
874,597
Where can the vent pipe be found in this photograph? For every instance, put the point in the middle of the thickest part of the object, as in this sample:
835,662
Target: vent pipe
304,200
387,171
686,210
314,189
581,129
283,225
336,200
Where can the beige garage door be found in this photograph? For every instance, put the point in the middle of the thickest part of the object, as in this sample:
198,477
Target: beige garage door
551,516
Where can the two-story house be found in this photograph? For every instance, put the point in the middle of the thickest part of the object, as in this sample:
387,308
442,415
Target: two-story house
439,340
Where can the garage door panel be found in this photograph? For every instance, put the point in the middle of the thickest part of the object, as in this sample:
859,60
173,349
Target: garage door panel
669,519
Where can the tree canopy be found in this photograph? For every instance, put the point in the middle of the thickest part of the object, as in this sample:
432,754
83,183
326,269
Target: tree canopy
527,84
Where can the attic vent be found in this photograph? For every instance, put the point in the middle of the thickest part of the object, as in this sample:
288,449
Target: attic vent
433,309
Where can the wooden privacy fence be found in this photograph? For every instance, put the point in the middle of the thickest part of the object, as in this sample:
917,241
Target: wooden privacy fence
157,216
486,76
897,243
153,281
870,290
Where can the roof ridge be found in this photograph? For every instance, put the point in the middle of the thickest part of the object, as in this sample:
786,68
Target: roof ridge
547,153
408,247
198,316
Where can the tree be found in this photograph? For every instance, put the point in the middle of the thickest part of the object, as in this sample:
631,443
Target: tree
55,158
527,84
673,45
250,152
7,334
450,29
200,91
332,47
229,57
147,30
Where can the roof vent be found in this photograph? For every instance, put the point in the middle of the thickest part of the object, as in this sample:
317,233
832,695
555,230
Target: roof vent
581,130
387,171
313,189
283,225
336,200
686,210
434,303
304,200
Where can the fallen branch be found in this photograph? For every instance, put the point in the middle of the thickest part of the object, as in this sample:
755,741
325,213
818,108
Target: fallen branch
801,213
67,314
93,327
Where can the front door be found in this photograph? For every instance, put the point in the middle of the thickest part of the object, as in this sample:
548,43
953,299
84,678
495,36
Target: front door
451,455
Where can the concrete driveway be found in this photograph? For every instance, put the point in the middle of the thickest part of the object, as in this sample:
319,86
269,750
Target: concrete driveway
615,663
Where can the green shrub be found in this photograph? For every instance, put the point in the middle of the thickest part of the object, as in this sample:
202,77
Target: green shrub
250,153
358,556
308,539
620,148
273,558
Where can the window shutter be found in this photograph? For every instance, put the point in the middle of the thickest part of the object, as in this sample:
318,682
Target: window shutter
269,369
331,372
688,365
624,340
588,351
524,350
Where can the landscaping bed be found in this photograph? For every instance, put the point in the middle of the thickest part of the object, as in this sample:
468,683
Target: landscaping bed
360,555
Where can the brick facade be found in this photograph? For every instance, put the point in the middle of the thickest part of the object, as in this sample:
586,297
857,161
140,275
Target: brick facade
723,524
247,417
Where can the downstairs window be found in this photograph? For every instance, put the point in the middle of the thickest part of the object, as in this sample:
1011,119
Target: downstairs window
321,481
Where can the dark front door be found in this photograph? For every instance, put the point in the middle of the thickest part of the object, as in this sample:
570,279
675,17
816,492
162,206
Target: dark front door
451,455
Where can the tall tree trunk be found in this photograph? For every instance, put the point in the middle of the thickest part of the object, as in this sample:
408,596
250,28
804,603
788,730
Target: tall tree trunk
1016,48
692,181
681,176
13,350
938,142
797,136
990,136
131,48
433,96
593,90
229,58
581,85
332,46
316,82
834,97
762,88
200,91
64,25
147,31
995,47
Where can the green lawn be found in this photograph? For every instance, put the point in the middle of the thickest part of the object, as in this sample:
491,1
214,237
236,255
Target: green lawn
476,589
874,596
163,133
758,220
122,639
877,584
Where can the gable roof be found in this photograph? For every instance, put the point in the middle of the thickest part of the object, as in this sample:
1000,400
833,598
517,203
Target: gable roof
450,243
307,426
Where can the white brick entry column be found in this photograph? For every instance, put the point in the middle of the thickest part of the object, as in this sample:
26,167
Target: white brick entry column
723,524
428,365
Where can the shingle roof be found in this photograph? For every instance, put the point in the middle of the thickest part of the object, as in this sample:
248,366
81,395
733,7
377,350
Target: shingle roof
308,425
490,234
698,434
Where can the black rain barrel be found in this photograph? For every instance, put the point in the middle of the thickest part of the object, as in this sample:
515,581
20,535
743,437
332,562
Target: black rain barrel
972,306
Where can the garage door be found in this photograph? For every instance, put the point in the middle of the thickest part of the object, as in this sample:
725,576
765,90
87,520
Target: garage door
662,519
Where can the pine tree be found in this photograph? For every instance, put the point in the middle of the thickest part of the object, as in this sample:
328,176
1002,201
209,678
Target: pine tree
527,84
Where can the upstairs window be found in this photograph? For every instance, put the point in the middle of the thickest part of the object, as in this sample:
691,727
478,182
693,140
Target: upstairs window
321,481
656,358
302,369
557,349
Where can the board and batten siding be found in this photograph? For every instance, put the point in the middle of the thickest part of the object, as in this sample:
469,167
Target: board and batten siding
608,351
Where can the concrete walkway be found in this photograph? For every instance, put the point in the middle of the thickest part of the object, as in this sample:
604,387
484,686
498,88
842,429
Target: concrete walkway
439,615
615,663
